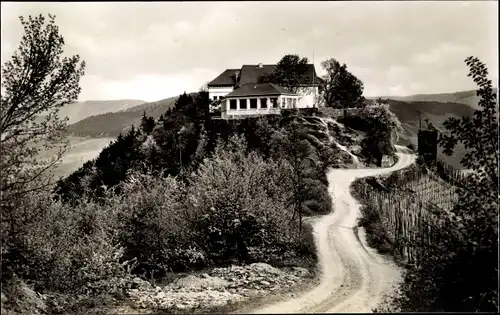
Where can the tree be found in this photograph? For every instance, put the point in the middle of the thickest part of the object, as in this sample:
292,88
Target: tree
289,73
478,134
341,89
478,197
37,82
298,152
147,123
382,128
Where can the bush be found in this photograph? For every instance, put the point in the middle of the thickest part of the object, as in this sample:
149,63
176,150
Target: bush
238,203
65,249
317,198
152,225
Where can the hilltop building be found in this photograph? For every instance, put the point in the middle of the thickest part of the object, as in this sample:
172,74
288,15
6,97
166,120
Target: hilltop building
241,92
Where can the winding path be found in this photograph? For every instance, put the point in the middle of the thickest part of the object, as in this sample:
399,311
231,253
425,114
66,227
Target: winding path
353,276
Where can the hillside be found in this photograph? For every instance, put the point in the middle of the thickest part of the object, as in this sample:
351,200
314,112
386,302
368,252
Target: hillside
434,107
81,110
111,124
436,113
465,97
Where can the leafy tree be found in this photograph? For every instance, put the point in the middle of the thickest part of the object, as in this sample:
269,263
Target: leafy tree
289,73
382,130
341,88
478,134
298,152
37,82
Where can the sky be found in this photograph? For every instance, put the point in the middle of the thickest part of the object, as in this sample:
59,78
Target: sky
154,50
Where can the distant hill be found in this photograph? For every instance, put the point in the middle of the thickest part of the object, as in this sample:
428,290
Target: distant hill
465,97
434,107
81,110
436,113
111,124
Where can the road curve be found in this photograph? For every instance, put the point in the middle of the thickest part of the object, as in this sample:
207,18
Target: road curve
353,276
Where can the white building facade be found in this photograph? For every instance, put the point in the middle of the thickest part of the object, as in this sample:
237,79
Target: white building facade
251,105
218,92
226,91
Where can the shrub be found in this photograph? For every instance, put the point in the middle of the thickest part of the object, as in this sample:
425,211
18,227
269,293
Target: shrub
65,249
152,225
238,204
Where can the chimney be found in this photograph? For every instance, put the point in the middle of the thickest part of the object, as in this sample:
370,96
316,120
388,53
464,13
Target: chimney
236,77
260,66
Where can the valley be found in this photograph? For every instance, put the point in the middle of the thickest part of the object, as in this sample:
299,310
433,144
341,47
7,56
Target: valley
92,133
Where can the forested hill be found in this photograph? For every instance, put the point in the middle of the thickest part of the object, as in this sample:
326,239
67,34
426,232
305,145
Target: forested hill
111,124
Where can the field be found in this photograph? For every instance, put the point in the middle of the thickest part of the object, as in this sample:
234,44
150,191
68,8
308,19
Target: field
82,149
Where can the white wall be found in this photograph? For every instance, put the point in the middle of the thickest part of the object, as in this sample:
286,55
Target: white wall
219,91
307,99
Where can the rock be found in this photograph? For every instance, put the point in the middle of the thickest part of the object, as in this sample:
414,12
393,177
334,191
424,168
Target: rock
194,283
133,291
301,272
262,267
263,282
180,306
205,275
138,283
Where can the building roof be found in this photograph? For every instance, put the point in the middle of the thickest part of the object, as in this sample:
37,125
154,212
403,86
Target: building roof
259,89
253,74
226,78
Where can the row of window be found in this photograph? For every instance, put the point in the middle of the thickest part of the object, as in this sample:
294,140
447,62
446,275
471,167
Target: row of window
253,103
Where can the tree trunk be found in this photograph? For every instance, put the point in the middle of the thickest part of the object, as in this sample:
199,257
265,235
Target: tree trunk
379,158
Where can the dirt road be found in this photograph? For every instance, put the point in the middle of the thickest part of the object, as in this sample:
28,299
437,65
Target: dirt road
353,276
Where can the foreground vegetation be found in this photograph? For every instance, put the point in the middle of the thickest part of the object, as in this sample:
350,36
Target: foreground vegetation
177,193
